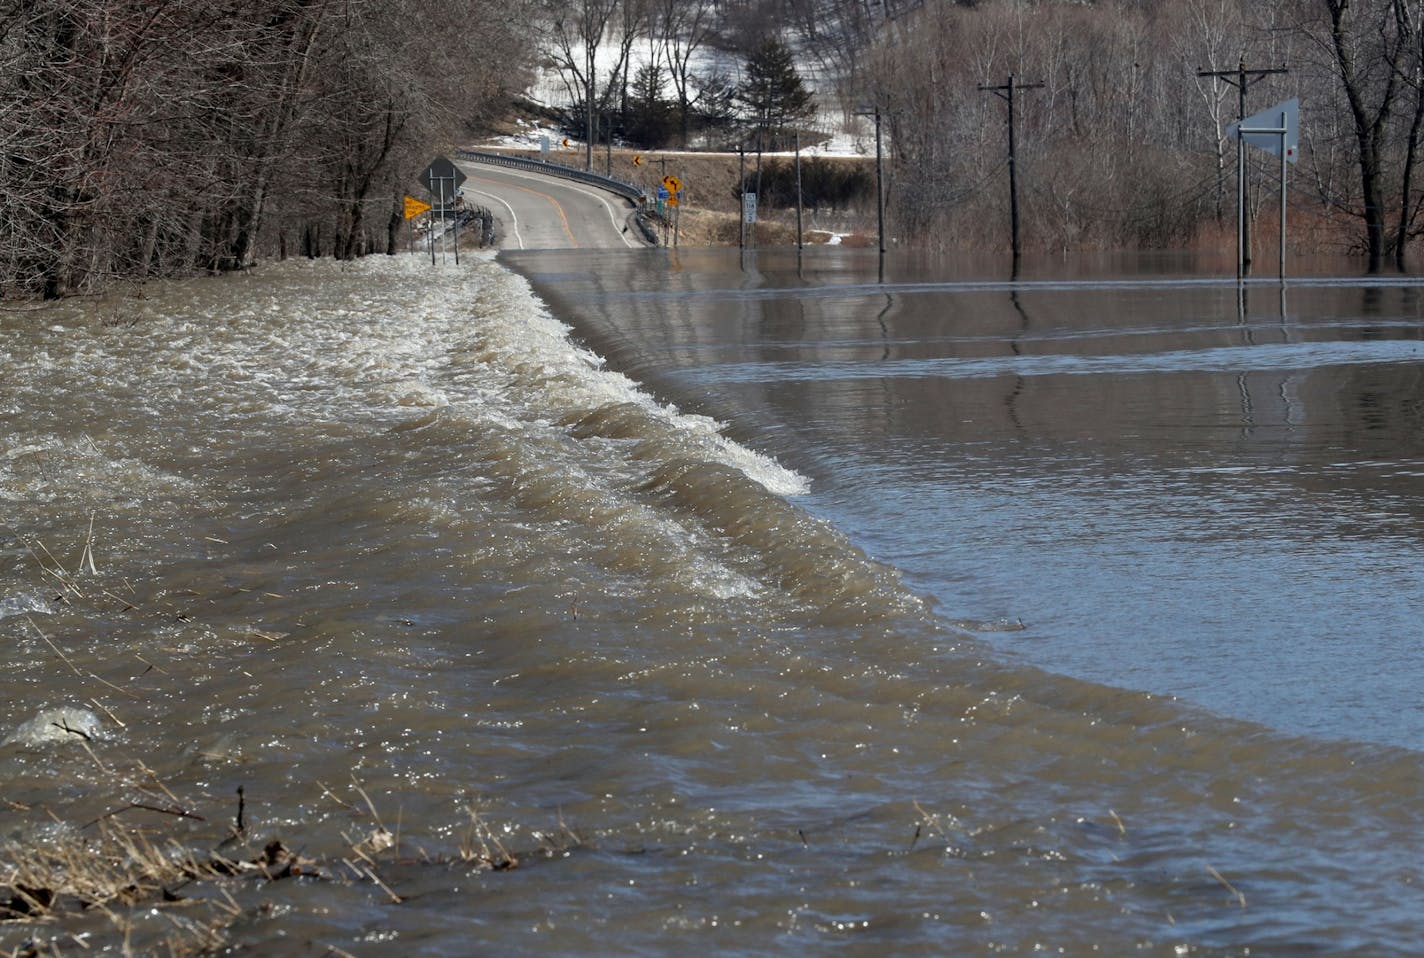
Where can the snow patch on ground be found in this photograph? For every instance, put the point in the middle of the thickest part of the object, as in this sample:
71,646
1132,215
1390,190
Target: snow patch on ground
532,134
853,137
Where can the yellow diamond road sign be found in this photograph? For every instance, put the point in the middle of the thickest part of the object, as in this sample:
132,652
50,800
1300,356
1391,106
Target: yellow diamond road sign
414,207
673,184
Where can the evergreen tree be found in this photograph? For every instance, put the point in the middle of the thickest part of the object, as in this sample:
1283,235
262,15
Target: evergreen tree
773,95
714,102
651,120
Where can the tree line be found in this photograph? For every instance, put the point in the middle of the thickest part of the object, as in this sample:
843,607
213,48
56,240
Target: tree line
1124,144
654,73
144,138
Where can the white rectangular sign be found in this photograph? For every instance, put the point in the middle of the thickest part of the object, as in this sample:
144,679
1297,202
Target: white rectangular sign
1263,130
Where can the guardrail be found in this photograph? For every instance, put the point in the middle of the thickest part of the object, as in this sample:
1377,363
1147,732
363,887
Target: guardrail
633,193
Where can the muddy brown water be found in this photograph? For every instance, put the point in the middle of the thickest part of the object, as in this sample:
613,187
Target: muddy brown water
767,608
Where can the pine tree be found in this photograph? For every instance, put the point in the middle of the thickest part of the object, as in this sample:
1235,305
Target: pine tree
650,120
773,95
715,102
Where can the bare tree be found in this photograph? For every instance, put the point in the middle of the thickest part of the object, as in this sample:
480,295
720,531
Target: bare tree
1365,45
572,35
1104,152
684,27
1410,69
1216,38
144,137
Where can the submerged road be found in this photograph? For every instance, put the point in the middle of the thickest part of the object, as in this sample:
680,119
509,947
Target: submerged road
546,212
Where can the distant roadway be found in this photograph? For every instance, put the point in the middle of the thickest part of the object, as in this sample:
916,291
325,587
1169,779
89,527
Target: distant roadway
545,212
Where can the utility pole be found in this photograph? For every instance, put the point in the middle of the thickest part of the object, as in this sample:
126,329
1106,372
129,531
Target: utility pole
879,194
799,244
1006,92
1241,78
879,184
588,93
742,195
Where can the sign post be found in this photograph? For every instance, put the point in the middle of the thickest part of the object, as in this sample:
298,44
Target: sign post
413,208
1281,139
671,190
443,178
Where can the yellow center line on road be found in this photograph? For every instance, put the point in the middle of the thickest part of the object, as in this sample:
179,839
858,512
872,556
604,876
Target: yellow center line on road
524,189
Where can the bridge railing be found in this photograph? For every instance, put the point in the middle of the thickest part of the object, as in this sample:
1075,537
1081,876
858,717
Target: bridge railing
634,194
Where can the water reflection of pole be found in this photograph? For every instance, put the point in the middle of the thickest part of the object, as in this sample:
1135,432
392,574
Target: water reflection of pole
884,327
1248,415
1012,400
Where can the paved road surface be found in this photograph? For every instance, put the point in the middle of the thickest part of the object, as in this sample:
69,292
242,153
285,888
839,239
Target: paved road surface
545,212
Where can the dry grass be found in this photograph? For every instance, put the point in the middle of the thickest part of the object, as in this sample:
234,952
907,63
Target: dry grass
148,870
111,873
159,893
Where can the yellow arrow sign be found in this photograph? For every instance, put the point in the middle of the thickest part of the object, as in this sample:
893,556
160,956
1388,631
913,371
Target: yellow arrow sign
638,160
414,207
673,184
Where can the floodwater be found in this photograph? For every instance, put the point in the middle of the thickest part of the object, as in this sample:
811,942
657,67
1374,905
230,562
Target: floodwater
1177,487
767,609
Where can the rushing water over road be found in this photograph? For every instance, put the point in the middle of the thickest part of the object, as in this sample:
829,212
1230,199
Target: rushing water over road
382,542
1176,489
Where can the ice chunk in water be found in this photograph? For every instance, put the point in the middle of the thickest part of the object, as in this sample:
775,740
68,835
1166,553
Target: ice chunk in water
56,725
21,604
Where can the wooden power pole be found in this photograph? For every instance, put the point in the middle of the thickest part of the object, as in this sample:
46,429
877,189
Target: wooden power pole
1006,92
1242,77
